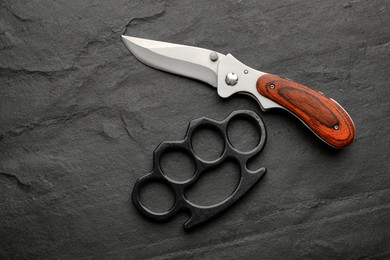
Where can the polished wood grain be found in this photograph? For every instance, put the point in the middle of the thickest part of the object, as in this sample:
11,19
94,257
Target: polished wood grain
325,117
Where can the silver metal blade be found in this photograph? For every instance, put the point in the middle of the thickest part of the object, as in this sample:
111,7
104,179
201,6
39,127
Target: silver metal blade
184,60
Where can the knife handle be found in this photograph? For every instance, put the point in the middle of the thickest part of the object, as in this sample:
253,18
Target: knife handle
324,116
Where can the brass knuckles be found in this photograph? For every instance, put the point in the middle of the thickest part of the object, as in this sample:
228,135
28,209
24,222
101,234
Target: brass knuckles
198,213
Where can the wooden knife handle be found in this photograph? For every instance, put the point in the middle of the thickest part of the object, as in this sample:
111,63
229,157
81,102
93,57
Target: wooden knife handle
324,116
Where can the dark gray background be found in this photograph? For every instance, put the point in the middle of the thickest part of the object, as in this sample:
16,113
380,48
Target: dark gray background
80,118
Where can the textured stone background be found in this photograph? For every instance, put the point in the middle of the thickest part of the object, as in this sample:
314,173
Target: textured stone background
80,118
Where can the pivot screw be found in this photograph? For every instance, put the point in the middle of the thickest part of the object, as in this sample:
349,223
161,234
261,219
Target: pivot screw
272,86
231,79
213,56
336,127
246,71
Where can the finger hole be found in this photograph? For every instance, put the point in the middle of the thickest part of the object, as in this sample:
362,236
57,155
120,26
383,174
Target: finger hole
215,185
157,197
243,133
207,143
177,165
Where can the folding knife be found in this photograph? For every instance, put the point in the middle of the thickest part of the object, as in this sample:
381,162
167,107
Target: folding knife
321,114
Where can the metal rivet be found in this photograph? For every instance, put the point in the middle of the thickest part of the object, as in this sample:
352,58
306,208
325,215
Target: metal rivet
213,56
272,86
336,127
231,79
246,71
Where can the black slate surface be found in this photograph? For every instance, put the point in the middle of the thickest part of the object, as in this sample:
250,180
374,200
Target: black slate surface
80,118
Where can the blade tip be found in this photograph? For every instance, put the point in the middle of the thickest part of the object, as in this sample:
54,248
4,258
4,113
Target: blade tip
127,40
124,37
130,39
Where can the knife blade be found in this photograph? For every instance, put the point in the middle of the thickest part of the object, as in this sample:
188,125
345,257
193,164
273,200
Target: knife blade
321,114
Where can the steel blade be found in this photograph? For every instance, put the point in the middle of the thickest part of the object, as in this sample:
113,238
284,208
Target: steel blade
179,59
